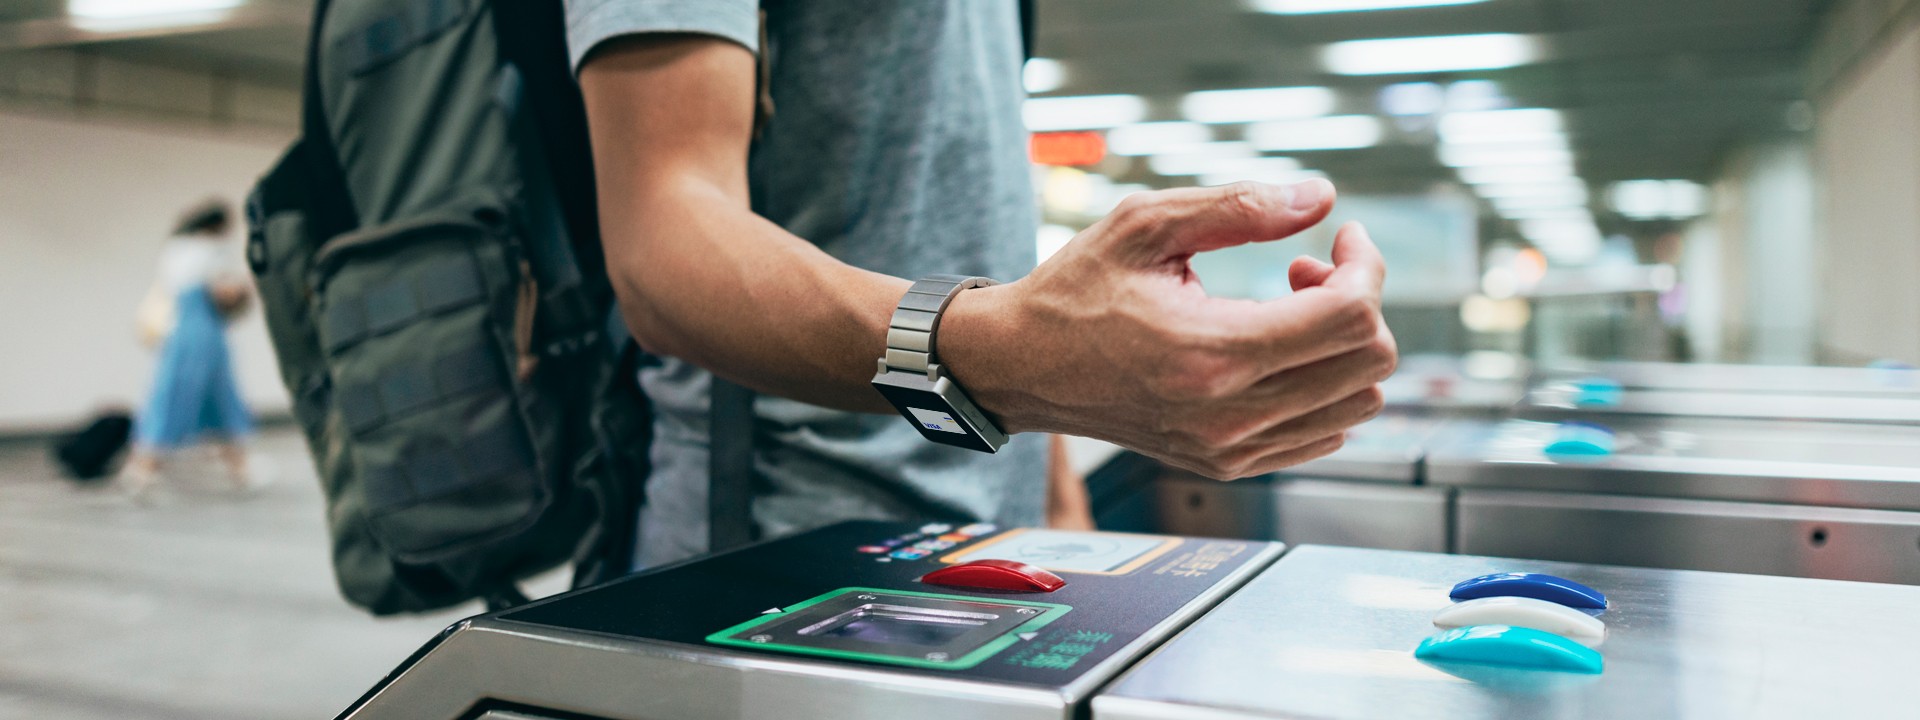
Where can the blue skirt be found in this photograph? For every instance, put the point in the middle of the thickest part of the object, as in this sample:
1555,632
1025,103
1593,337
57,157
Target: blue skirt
194,393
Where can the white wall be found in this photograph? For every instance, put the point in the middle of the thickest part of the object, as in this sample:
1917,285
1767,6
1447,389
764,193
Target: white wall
84,206
1762,268
1868,158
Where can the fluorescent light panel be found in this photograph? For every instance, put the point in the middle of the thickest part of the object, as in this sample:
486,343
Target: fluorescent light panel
116,15
1254,105
1082,112
1176,165
1157,137
1555,188
1658,199
1340,132
1463,156
1271,178
1445,53
1043,75
1503,174
1502,126
1311,7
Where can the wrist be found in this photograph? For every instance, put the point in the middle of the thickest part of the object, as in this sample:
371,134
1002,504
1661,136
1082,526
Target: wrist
976,334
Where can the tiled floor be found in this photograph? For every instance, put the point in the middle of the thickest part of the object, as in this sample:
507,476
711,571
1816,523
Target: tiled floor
206,605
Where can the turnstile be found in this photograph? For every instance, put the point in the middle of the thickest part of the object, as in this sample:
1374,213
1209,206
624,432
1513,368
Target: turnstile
1825,500
858,621
1366,494
1328,633
1823,394
1757,379
861,619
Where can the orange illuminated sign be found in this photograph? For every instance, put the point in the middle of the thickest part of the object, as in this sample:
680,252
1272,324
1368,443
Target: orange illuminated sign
1066,148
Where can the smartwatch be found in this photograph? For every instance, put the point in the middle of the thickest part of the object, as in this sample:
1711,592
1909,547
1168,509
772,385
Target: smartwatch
911,376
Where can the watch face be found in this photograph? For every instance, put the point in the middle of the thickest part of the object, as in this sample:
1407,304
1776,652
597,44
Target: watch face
937,420
940,420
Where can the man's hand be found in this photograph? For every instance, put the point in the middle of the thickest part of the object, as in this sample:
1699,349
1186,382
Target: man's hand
1113,338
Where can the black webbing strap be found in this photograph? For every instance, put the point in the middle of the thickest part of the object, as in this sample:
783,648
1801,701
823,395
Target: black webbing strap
330,209
1026,27
730,423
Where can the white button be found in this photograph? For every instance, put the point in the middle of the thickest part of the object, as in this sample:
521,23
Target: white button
1524,612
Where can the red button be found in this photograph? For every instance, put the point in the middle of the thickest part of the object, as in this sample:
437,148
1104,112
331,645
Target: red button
995,575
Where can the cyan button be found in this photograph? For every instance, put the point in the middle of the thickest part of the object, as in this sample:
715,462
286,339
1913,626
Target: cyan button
1510,646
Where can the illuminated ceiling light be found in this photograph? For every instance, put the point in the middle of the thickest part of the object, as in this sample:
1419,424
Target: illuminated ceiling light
1275,176
1501,126
1580,213
1157,137
1311,7
1043,75
1412,99
1658,199
1568,187
1443,53
1567,241
1504,174
1220,163
1200,159
1464,156
1340,132
1475,95
1254,105
117,15
1082,112
1559,200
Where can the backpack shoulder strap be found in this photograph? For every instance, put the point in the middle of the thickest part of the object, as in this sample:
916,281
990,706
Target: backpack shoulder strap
330,208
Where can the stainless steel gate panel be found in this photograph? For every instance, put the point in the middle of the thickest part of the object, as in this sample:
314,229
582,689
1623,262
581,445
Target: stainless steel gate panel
1827,464
1328,633
1558,400
1326,512
1793,540
1774,379
1386,449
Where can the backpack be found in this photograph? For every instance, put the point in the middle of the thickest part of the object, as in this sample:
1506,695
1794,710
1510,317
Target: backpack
429,264
88,453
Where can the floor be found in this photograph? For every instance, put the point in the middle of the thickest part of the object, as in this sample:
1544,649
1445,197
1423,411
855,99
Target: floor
205,604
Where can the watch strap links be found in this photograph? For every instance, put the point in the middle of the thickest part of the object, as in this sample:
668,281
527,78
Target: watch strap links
911,344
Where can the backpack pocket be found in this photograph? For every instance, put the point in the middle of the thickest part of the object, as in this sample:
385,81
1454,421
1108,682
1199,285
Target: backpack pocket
425,326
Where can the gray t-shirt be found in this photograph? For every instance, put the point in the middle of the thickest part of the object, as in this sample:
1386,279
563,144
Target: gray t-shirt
896,146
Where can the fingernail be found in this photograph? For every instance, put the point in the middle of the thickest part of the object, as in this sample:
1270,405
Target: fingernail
1309,194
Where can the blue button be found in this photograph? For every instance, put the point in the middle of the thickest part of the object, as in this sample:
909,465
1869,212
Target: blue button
1597,392
907,554
1581,439
1533,585
1508,645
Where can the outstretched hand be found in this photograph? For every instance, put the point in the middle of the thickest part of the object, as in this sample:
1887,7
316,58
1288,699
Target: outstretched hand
1113,337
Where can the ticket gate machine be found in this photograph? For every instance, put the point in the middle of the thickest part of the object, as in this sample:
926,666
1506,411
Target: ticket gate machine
1815,394
861,619
1327,633
888,621
1828,500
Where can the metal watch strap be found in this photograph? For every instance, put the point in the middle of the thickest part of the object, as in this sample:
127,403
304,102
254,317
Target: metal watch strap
910,335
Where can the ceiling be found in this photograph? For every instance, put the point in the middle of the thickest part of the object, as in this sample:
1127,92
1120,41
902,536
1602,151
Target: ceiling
1648,88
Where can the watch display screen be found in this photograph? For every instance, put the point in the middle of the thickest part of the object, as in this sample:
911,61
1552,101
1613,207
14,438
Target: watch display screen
940,420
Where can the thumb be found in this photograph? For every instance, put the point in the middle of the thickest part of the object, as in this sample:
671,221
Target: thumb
1357,264
1306,272
1179,223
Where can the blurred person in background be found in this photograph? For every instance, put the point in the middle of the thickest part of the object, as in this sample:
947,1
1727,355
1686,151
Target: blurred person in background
194,395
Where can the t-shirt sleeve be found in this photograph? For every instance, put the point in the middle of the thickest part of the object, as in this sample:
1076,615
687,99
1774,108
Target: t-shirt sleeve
591,22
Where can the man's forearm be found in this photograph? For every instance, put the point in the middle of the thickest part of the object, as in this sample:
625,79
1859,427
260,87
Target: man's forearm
708,281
